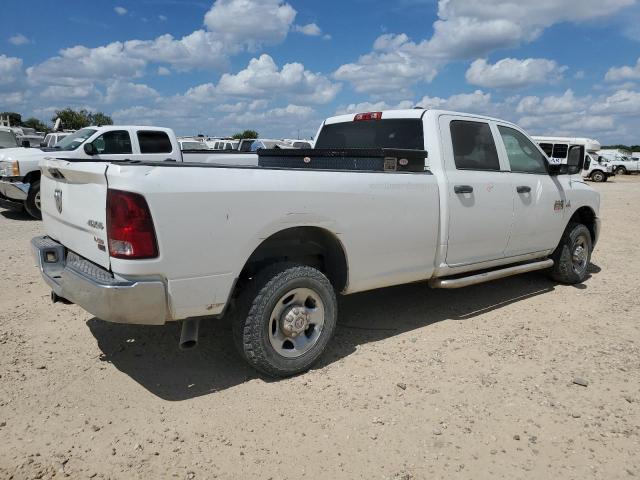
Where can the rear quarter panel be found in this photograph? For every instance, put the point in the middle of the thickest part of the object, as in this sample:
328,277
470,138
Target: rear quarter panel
210,220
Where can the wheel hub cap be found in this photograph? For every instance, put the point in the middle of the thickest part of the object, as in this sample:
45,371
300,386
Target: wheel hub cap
295,321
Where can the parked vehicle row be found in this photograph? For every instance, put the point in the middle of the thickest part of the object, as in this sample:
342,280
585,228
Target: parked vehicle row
622,161
383,198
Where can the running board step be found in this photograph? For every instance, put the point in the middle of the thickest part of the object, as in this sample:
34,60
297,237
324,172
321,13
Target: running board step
488,276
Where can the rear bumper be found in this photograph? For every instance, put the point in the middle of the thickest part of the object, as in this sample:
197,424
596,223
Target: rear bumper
96,289
14,189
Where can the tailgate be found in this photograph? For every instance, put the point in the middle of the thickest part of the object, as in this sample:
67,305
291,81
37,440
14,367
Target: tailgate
74,198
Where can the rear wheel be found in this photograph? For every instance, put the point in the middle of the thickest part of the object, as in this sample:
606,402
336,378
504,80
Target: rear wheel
573,255
598,176
33,204
285,319
621,171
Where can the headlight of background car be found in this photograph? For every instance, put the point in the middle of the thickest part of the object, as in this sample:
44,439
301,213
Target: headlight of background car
9,169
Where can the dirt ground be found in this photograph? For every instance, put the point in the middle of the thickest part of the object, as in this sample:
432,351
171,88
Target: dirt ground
417,384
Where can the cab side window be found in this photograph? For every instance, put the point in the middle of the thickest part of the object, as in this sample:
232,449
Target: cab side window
113,143
523,156
473,146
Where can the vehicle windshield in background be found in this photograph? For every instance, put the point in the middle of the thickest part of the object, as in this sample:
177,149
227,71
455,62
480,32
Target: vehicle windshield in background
392,133
245,145
74,140
193,146
8,140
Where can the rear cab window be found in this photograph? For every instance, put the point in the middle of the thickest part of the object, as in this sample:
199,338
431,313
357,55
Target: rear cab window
404,133
154,142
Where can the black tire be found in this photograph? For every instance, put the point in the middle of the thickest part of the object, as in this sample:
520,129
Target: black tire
598,176
621,171
30,204
567,268
252,321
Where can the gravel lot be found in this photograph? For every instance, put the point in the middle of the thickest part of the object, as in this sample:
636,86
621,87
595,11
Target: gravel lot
418,383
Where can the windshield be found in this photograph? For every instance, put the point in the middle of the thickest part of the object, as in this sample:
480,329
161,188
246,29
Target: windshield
8,140
392,133
74,140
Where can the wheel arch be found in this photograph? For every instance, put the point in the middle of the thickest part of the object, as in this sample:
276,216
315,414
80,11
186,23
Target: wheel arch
309,245
32,176
586,216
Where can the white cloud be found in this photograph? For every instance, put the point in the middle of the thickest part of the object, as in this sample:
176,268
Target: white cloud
263,79
622,102
466,29
618,74
392,67
567,102
10,70
120,10
73,92
373,107
476,102
126,91
162,18
251,23
232,26
310,29
512,72
163,71
19,39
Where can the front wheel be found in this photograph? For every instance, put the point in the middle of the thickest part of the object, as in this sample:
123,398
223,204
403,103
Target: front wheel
621,171
573,255
598,176
286,318
32,204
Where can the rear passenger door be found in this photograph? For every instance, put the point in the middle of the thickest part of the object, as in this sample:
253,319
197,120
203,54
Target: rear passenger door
539,198
480,194
154,146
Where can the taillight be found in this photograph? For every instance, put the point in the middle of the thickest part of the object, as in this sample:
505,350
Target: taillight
129,226
367,116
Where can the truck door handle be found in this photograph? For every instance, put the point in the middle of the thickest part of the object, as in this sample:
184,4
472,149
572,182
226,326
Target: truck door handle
523,189
463,189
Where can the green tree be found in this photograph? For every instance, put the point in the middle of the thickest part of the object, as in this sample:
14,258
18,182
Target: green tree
35,123
246,134
100,118
75,120
14,117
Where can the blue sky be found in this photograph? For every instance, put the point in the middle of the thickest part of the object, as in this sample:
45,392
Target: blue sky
280,67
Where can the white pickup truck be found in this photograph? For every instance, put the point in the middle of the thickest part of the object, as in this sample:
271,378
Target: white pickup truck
384,198
20,167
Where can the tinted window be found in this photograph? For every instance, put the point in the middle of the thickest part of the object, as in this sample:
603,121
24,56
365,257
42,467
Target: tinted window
523,156
547,148
154,142
560,150
113,143
473,146
393,133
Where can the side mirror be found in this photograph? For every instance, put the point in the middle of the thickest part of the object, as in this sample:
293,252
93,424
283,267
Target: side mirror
26,144
43,144
587,163
89,149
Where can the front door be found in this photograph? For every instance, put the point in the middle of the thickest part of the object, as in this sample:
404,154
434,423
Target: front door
480,196
540,201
